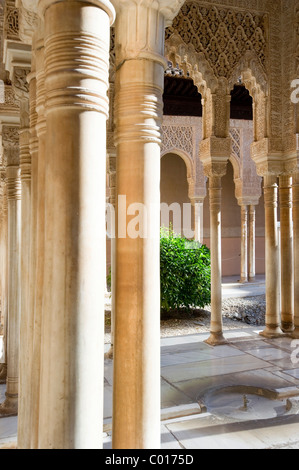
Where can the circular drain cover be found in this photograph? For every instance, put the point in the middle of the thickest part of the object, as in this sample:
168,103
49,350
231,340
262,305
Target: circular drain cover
244,406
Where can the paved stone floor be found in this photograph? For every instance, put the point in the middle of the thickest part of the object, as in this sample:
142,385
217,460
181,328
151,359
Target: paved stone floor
192,371
203,389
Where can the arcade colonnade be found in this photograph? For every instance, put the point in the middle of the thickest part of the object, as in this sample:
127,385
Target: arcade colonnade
53,232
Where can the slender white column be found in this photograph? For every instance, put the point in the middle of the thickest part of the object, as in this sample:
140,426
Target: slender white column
251,257
77,39
272,258
10,405
39,249
286,253
216,328
4,283
295,189
25,166
244,243
140,65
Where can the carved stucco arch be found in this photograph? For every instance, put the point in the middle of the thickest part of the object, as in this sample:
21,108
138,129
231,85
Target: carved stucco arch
189,166
192,63
255,81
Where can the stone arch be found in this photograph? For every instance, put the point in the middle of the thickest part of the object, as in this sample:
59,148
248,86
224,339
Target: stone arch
252,75
193,64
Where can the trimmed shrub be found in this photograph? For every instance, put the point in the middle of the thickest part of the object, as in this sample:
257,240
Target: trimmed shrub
185,272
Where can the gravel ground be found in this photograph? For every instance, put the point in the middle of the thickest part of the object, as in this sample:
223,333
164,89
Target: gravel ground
237,313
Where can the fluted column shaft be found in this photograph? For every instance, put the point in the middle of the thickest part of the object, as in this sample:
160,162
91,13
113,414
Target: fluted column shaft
244,243
272,258
286,252
10,405
76,41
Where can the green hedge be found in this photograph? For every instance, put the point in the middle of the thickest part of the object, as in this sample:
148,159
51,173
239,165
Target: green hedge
185,273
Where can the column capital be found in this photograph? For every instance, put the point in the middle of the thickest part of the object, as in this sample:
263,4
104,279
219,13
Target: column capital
168,8
215,168
140,29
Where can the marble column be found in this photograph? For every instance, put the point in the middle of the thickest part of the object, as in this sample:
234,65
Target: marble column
10,405
295,190
244,243
77,39
25,167
286,253
272,328
251,254
139,83
39,249
4,273
216,329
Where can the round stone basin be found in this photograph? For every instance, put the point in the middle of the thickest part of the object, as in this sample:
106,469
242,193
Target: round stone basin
241,405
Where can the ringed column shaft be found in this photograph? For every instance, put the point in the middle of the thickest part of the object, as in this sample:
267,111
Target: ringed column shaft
77,39
295,188
272,258
216,328
24,394
286,253
39,246
4,283
244,243
251,257
138,116
10,405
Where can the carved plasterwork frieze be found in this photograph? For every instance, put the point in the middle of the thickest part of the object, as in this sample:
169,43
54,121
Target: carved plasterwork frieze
235,135
10,135
11,21
10,100
222,35
20,79
177,137
10,142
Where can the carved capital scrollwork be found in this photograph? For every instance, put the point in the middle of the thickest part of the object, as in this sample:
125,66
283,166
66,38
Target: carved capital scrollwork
11,21
19,80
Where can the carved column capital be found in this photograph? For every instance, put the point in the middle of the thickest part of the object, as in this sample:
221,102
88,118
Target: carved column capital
168,8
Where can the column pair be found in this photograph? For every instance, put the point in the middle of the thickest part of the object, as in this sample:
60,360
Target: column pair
279,255
247,241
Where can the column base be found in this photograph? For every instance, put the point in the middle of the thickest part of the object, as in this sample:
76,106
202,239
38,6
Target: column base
251,279
109,354
295,333
243,280
272,331
10,406
3,373
216,339
287,327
